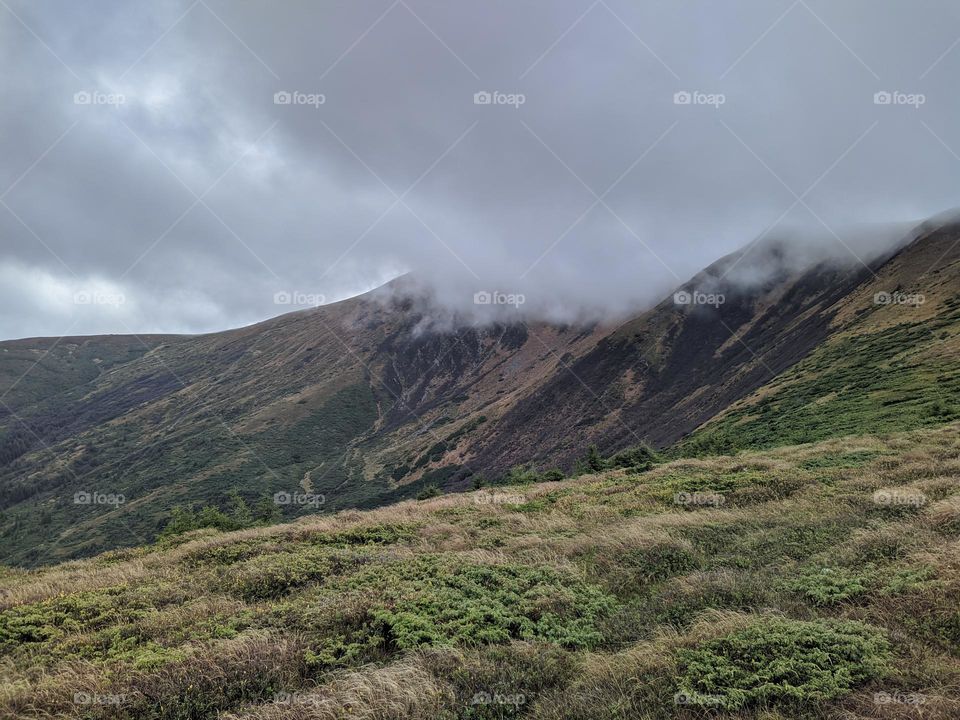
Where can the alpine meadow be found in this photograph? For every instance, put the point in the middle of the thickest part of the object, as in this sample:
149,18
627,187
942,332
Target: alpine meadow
447,360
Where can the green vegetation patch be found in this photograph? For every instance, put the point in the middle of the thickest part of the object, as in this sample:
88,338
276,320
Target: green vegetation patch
833,585
829,586
434,600
855,384
782,661
845,460
382,534
46,622
269,577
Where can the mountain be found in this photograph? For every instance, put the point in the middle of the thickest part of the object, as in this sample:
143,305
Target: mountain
375,399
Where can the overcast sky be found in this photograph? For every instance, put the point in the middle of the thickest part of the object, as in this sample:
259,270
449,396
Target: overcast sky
152,179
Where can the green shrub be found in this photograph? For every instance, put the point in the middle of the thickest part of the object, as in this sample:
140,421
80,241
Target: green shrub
383,534
829,586
908,580
528,474
521,475
272,576
782,661
225,554
338,632
51,620
433,600
431,491
638,458
706,444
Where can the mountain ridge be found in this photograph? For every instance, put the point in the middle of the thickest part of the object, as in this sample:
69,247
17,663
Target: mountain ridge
369,402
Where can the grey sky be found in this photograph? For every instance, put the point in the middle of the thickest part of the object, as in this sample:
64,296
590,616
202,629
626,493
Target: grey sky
199,198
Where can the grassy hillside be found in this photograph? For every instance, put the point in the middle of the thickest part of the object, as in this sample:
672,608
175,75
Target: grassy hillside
371,400
346,399
886,366
35,369
814,581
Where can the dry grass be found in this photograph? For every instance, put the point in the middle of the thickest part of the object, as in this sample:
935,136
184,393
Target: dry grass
678,577
402,690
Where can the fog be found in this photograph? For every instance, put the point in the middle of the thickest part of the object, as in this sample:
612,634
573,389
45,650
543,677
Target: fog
186,166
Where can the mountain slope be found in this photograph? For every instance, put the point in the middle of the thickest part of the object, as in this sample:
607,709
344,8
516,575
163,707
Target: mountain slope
819,581
891,361
371,400
35,369
308,401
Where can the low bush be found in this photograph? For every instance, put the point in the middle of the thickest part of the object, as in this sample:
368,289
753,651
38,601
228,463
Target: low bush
272,576
829,586
431,601
780,661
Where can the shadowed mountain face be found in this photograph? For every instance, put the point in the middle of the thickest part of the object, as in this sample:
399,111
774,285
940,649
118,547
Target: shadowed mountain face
661,375
366,401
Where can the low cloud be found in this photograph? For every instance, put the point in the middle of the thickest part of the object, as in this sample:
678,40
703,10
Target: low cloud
201,158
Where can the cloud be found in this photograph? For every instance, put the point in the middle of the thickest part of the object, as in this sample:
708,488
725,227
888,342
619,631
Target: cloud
622,149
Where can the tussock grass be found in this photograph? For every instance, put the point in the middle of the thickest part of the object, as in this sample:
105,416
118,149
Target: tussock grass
613,595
